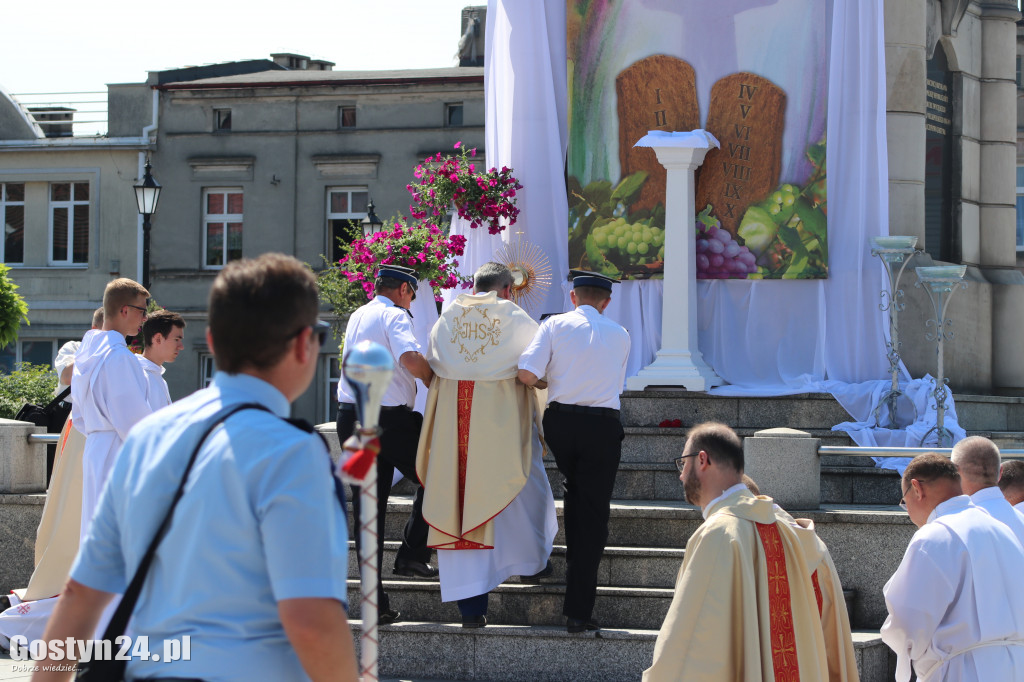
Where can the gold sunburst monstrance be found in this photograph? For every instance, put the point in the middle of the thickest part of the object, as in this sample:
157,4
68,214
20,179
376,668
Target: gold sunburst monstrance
531,271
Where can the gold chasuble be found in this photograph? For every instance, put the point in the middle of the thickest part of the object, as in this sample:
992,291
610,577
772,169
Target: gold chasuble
744,608
475,446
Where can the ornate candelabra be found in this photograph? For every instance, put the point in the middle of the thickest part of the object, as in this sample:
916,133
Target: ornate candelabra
368,368
940,282
893,251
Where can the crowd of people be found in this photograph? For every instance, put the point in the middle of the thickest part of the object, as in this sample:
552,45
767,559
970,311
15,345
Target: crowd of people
218,518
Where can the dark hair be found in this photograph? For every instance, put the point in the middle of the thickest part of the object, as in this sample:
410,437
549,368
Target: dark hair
387,284
257,306
161,322
1011,476
721,443
492,276
591,295
929,467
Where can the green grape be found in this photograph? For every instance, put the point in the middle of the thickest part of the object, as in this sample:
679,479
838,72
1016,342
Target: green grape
647,234
777,197
774,209
620,230
642,249
788,200
621,243
787,188
631,248
601,239
658,239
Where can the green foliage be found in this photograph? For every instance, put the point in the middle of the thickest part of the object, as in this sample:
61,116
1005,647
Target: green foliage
341,294
13,308
27,384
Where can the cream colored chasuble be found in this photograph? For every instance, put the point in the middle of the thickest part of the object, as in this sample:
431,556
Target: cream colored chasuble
475,447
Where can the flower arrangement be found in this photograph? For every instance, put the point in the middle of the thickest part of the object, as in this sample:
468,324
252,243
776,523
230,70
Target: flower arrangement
480,197
422,246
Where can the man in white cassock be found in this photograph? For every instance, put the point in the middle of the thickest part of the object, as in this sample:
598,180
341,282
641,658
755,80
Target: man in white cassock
108,389
1011,483
486,496
956,610
163,335
977,460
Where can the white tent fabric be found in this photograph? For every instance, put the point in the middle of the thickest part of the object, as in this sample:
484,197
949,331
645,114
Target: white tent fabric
762,337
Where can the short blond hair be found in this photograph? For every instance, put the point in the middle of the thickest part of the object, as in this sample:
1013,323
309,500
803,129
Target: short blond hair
119,293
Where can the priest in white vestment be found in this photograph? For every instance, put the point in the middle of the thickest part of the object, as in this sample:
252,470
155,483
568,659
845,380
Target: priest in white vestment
744,608
956,610
108,388
977,460
487,498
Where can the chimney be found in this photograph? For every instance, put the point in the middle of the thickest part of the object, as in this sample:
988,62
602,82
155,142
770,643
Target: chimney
54,120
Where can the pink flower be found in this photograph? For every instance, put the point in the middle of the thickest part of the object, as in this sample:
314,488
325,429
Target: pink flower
458,144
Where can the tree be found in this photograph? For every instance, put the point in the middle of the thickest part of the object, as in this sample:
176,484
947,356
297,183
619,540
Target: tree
13,308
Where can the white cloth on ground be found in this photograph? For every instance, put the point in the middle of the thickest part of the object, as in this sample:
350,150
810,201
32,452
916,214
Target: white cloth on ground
956,589
992,501
157,394
109,391
523,535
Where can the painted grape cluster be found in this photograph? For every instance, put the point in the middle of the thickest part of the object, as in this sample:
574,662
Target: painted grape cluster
632,243
719,256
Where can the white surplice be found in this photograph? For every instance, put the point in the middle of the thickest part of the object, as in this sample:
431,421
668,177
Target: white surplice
992,501
108,389
955,607
523,535
157,394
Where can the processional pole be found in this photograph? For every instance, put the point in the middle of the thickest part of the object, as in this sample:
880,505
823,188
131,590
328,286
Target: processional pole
367,368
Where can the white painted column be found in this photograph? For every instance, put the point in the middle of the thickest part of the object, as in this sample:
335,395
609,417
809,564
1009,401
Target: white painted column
679,362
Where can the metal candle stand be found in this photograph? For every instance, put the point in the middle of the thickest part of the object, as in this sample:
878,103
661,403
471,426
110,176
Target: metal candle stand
368,369
940,282
893,251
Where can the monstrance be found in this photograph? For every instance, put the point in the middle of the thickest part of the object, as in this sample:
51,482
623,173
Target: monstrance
531,271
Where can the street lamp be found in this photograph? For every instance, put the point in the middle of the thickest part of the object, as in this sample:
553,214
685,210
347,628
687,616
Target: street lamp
147,195
371,223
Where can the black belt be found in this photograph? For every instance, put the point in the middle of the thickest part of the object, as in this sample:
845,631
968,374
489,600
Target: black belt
584,409
350,407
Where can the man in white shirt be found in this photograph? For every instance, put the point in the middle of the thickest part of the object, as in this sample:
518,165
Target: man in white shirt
956,611
108,390
163,335
580,356
1011,482
386,320
977,460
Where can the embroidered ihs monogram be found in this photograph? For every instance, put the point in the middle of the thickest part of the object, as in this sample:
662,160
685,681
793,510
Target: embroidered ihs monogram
474,332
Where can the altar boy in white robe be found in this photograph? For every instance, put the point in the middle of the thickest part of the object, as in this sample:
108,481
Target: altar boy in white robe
486,496
977,460
1011,482
163,335
108,388
956,611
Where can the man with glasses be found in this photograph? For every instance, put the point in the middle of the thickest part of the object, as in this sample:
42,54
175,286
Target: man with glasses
254,564
956,610
744,605
109,387
386,320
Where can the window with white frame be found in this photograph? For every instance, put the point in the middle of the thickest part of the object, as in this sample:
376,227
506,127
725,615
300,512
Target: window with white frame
12,217
34,351
222,226
332,375
1020,208
69,223
207,368
344,205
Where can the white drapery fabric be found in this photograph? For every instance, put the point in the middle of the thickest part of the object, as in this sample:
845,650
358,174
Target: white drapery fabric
763,337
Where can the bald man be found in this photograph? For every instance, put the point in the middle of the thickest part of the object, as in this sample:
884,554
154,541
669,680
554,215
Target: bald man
977,460
1011,482
955,610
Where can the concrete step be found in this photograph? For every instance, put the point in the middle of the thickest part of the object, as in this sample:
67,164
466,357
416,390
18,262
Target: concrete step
859,485
511,653
803,411
622,566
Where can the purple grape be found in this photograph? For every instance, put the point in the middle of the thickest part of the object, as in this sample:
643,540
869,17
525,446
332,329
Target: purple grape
732,249
716,260
747,258
715,246
702,262
751,268
711,232
744,249
723,236
702,245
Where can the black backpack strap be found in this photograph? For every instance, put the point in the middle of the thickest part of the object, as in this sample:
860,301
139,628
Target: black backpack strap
119,622
58,400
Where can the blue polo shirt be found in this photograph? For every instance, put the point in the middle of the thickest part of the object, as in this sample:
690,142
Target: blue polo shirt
259,522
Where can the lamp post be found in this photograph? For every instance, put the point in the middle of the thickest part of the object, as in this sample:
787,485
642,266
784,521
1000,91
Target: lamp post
371,223
147,195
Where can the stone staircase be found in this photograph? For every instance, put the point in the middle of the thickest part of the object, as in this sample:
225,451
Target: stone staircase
650,524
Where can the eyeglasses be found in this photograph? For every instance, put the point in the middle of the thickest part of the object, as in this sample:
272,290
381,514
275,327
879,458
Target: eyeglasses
680,461
144,312
903,500
320,328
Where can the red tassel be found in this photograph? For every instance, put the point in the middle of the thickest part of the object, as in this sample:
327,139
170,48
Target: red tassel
358,465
